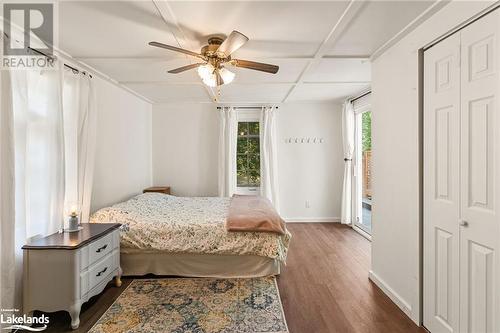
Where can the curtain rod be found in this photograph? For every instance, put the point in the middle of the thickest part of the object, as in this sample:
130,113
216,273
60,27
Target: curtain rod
361,96
245,107
75,70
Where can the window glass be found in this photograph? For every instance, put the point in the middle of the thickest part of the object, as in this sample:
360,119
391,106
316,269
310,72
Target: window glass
248,154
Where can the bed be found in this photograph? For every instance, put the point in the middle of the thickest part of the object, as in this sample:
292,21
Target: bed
185,236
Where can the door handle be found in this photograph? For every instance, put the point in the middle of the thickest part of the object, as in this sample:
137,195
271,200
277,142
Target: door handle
464,223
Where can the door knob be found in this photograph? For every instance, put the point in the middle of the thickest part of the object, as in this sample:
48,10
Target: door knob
464,223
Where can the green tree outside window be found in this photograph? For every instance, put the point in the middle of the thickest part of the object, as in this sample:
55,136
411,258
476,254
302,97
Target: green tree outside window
366,120
248,154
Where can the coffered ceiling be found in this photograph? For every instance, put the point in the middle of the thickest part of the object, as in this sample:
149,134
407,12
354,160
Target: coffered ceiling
323,48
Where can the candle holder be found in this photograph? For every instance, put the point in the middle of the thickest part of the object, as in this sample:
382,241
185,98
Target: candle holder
73,220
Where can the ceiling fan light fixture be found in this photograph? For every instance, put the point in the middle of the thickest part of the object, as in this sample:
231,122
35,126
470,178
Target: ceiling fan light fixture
210,80
227,75
206,71
215,55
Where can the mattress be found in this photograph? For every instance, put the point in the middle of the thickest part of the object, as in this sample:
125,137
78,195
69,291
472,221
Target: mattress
155,222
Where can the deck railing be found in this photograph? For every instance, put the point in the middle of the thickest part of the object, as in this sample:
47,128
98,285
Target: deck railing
367,175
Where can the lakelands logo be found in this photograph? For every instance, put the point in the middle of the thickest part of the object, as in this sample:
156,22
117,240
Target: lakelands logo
24,322
29,35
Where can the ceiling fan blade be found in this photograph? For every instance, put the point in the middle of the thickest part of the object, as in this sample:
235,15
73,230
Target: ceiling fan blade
185,68
234,41
177,49
258,66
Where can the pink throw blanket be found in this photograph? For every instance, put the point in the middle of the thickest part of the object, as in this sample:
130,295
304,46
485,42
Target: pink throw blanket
253,214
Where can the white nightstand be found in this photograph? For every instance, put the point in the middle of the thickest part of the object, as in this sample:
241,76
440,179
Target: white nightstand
62,271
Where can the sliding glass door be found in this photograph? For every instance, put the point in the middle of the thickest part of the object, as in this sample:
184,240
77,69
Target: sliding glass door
362,171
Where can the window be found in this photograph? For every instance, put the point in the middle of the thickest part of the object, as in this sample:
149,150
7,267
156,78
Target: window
362,166
248,155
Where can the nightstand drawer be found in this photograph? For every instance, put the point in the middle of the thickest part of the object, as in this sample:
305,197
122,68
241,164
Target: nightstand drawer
100,248
101,270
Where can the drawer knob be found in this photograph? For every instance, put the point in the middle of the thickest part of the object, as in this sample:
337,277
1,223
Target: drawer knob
102,272
102,248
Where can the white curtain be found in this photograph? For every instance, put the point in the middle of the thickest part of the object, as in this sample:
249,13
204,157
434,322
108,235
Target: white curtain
79,104
47,144
227,151
7,212
39,147
33,172
268,156
348,141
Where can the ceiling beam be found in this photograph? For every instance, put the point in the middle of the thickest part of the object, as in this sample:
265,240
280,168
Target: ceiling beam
333,36
172,83
169,18
350,56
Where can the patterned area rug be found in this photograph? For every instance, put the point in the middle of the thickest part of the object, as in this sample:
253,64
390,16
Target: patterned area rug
196,305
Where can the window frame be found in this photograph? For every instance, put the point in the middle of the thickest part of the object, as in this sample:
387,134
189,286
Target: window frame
356,201
247,116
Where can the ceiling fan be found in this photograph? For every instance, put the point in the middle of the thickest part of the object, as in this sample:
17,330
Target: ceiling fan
215,55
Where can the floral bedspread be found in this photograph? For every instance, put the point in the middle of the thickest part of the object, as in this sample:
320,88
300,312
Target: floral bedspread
160,222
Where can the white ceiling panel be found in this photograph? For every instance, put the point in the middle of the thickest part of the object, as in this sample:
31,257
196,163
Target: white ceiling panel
275,28
112,37
259,93
377,22
112,29
144,70
340,70
171,93
335,92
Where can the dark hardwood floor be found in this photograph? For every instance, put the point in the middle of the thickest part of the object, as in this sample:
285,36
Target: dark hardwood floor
324,287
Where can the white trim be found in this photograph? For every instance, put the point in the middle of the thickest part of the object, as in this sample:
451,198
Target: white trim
431,10
247,115
464,24
346,18
312,219
168,16
395,297
362,232
247,190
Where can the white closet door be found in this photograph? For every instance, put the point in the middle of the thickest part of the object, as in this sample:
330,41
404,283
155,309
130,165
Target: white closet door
480,177
441,185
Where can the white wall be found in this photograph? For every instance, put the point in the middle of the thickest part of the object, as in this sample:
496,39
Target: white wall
185,146
396,210
123,153
185,143
310,172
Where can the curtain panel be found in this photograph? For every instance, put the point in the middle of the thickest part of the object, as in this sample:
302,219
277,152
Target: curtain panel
80,122
268,156
7,203
227,151
47,144
348,145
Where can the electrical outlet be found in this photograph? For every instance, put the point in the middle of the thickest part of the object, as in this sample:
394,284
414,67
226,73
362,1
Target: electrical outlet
307,204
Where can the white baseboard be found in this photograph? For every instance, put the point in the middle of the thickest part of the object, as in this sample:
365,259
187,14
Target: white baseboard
311,219
398,300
